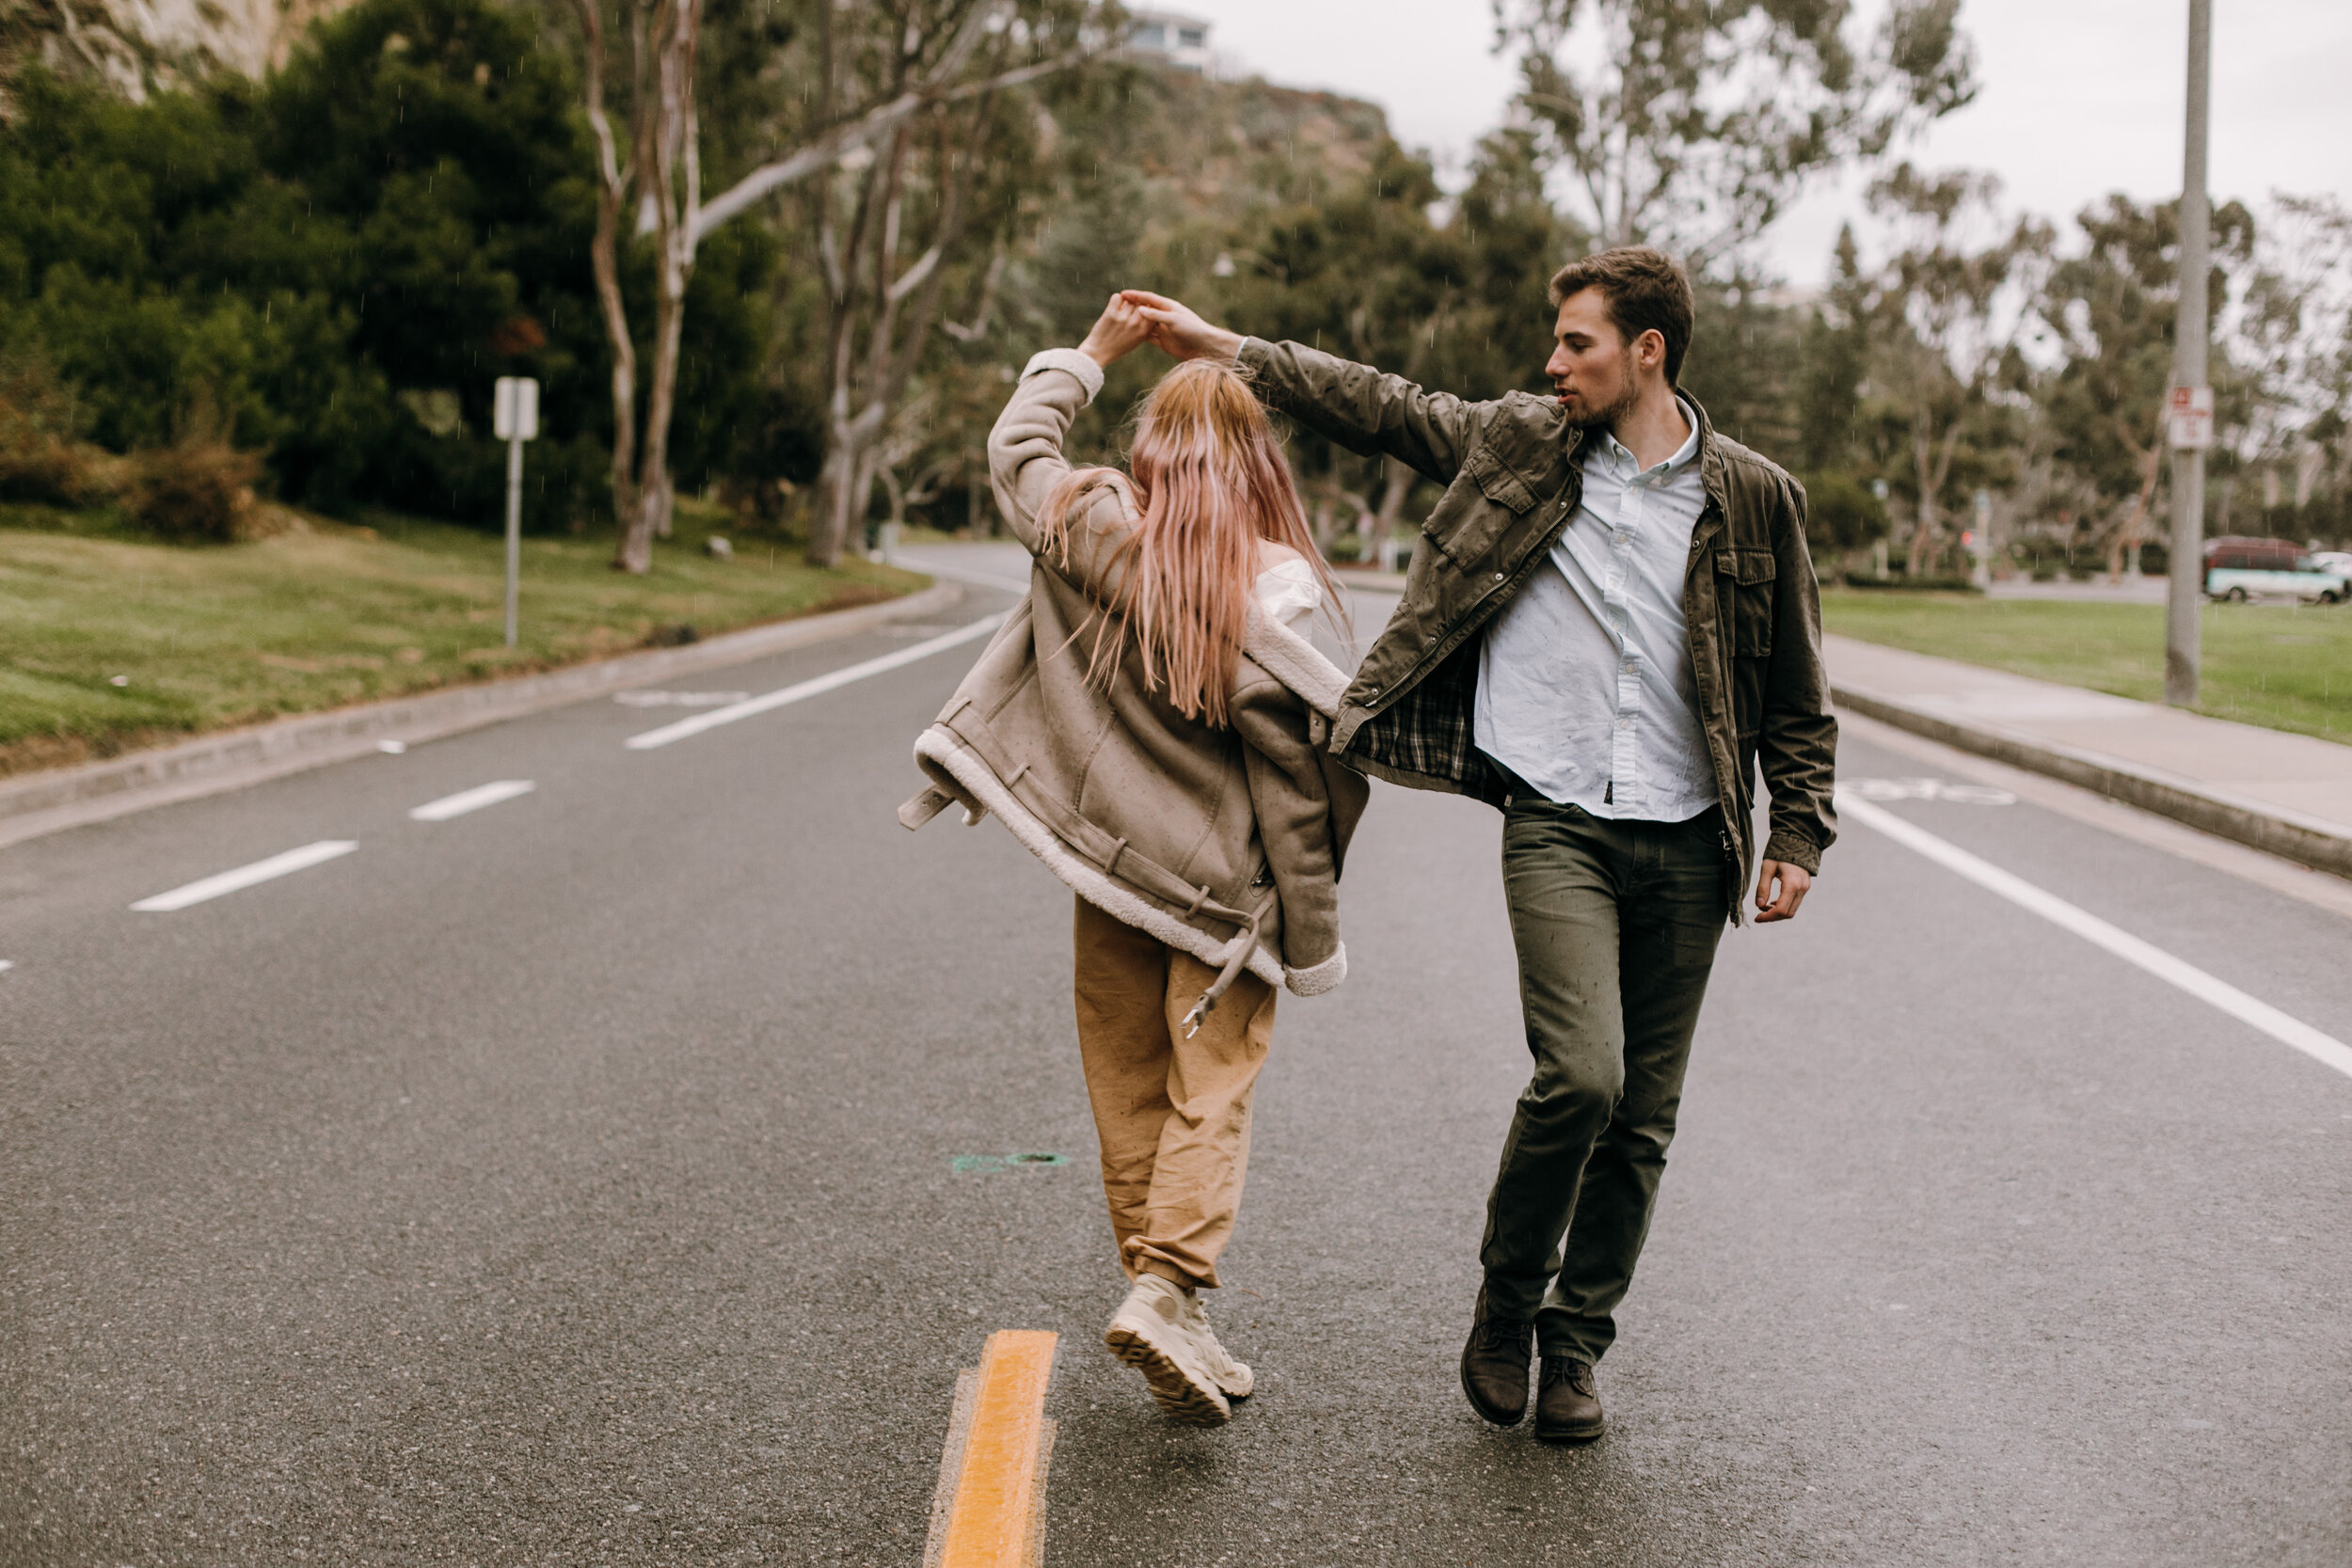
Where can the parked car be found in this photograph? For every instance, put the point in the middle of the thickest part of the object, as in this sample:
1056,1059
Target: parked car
2238,569
2338,562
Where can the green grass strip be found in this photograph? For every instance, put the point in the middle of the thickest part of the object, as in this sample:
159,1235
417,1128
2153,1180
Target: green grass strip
2282,666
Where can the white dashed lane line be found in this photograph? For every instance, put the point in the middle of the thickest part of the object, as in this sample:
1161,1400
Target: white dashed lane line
474,800
2208,988
247,876
470,799
686,729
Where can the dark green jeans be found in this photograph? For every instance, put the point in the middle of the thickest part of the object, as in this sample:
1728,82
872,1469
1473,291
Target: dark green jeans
1615,923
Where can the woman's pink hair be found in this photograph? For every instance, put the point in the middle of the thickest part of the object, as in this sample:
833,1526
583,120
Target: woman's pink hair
1211,481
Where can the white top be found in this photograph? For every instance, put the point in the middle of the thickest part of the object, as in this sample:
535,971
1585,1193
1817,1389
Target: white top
1288,590
1585,687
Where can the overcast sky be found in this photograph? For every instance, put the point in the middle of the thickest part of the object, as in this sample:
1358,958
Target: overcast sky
2079,97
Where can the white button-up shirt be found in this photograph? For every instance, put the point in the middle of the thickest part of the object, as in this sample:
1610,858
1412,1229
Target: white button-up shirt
1585,687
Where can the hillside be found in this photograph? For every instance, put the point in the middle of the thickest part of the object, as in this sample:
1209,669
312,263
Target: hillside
142,46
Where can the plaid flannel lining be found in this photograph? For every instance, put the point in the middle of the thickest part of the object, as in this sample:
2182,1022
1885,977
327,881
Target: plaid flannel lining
1428,730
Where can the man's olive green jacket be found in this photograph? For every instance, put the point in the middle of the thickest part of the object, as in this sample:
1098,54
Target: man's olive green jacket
1514,474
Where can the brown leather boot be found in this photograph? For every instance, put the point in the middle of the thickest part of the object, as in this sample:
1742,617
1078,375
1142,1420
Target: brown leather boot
1567,1408
1494,1365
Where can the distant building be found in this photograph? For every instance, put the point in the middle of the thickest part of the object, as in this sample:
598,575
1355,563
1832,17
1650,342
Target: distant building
1171,37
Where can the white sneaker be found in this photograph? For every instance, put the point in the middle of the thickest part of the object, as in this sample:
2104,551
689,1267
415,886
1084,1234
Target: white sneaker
1232,1376
1154,1332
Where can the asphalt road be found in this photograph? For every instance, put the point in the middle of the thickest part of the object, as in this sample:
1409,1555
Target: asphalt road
574,1181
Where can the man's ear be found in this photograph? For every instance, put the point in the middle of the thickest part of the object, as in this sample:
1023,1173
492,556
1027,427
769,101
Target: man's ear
1650,348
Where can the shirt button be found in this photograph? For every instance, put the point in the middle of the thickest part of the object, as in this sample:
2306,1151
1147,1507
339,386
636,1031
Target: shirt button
1498,577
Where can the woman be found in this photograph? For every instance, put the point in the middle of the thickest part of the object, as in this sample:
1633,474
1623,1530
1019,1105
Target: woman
1152,724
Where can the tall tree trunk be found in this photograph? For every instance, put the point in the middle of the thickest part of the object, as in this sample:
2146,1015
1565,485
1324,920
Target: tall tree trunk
1324,521
613,180
1923,527
845,485
624,384
841,500
669,168
1934,466
861,275
2128,533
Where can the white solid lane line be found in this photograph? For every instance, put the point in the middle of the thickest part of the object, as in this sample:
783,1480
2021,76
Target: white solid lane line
2155,961
688,728
246,876
470,799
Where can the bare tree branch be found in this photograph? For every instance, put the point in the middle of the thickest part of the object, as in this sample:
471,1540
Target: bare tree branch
829,146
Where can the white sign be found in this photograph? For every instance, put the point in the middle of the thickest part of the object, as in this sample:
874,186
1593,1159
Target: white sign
2189,420
514,415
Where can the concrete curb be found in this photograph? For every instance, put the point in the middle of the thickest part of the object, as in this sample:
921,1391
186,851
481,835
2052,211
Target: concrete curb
2275,829
68,798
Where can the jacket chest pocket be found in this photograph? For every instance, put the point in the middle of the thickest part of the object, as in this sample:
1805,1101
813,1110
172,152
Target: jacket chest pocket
1489,496
1743,593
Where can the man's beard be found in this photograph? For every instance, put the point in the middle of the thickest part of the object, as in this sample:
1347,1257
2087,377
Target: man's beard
1601,418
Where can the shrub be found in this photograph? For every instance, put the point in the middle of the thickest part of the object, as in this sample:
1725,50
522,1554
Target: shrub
199,490
1842,514
40,460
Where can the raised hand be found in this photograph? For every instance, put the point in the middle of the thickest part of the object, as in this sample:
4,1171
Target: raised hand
1179,329
1117,332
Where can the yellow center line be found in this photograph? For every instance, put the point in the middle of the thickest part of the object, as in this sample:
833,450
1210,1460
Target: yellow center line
999,1484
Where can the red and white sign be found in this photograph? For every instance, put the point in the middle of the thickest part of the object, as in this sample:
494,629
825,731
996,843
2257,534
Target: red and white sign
2189,419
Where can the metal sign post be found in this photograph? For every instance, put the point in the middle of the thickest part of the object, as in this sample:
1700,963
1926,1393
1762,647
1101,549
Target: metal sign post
514,419
2190,421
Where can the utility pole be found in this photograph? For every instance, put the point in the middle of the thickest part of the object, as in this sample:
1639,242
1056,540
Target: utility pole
2189,429
514,419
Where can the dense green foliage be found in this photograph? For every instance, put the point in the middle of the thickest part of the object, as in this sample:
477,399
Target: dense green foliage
333,266
330,267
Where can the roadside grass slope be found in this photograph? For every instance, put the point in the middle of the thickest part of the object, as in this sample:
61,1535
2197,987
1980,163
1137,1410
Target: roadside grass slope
207,637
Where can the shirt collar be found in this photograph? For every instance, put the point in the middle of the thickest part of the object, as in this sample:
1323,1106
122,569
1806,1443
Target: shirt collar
1621,455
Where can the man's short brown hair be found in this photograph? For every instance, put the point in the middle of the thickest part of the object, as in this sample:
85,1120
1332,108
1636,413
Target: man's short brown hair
1646,289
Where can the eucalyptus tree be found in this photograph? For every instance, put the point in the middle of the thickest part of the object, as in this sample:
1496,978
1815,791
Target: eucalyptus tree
2110,305
1950,311
2291,339
909,210
878,77
1692,124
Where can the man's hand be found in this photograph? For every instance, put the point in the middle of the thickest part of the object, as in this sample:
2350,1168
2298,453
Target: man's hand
1180,330
1117,331
1779,903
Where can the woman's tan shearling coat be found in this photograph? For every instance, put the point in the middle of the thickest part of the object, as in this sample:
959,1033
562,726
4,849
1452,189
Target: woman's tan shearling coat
1224,843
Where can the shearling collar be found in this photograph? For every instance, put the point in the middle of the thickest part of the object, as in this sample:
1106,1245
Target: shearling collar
1293,660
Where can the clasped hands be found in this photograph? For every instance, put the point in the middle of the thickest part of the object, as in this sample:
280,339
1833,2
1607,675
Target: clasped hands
1135,317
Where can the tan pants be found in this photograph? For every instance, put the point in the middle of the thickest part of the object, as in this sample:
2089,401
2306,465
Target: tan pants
1173,1113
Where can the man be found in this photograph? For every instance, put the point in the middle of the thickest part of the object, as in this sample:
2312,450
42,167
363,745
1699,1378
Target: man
1610,618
